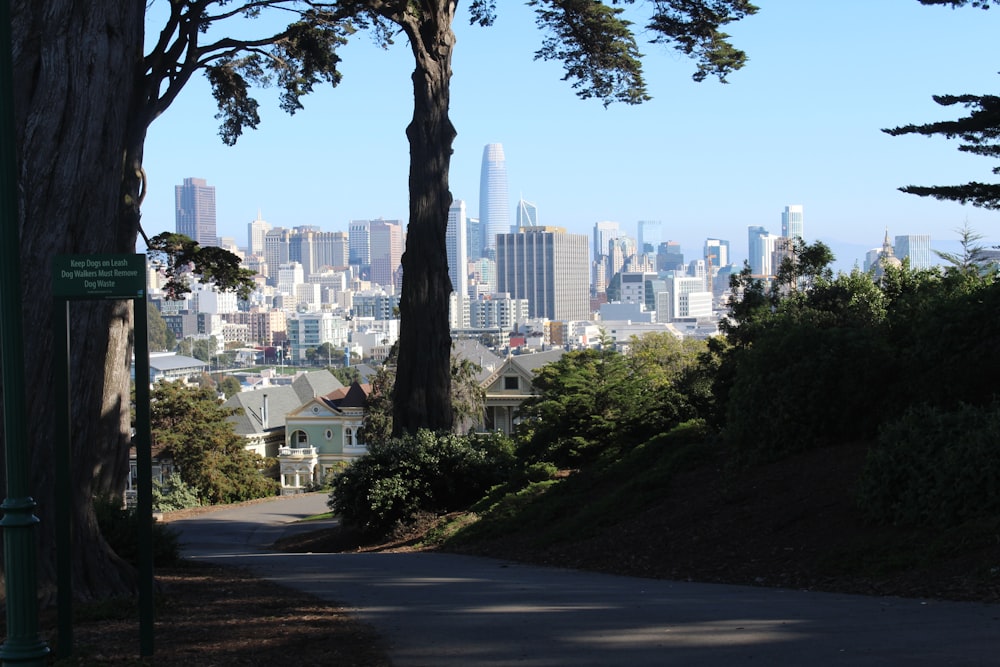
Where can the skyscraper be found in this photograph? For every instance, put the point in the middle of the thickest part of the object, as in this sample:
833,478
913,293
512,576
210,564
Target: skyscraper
256,230
650,234
195,211
549,268
791,222
716,253
761,247
604,231
458,263
360,243
494,202
527,214
386,251
917,247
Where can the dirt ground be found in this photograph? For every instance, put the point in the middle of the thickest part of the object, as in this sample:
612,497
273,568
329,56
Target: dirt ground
791,524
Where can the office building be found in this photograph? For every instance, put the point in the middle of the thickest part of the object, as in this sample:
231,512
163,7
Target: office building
527,215
716,255
494,202
457,249
386,243
604,232
195,211
761,248
548,267
276,248
360,248
791,222
310,330
256,231
669,257
915,247
650,235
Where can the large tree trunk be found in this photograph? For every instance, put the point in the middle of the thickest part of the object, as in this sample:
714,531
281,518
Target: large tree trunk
75,69
421,395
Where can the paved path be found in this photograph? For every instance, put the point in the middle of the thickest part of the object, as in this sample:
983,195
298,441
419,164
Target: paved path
447,610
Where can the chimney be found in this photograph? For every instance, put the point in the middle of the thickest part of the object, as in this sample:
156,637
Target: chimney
263,413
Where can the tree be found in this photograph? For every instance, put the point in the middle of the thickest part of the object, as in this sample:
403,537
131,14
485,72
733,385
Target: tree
85,97
160,335
192,427
979,133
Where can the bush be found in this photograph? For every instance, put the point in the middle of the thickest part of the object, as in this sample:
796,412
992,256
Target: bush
425,472
934,468
173,494
120,528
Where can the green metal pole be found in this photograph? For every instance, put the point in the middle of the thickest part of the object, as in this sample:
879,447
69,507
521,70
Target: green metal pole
23,646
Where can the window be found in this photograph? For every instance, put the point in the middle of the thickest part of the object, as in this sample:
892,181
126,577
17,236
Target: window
510,382
348,437
329,434
301,439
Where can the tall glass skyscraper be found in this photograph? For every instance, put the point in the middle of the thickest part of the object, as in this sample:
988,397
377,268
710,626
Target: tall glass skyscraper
760,248
494,202
527,215
195,211
650,234
791,222
917,247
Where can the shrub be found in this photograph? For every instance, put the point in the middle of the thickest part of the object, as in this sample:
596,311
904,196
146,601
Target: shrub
934,468
120,528
423,472
173,494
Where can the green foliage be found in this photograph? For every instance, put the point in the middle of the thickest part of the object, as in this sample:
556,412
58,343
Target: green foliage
161,338
592,403
934,467
202,349
182,258
229,386
422,472
120,528
173,494
347,375
978,133
193,428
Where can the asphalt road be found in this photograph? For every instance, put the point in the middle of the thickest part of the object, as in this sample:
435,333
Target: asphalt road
448,610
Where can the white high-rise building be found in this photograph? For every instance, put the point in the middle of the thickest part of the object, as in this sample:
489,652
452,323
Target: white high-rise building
494,201
455,239
256,231
527,215
761,248
457,245
791,222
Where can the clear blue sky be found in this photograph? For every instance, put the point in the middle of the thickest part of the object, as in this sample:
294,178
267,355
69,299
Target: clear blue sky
800,124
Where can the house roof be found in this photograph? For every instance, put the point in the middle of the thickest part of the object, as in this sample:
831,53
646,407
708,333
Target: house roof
355,396
281,400
477,353
316,383
174,362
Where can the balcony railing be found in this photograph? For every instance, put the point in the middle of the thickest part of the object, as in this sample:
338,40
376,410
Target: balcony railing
297,452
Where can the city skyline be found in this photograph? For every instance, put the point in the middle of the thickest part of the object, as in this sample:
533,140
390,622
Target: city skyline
708,160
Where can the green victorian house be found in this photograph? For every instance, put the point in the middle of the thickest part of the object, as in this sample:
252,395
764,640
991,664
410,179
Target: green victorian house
321,436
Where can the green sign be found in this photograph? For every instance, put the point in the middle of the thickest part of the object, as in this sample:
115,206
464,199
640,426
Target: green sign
99,276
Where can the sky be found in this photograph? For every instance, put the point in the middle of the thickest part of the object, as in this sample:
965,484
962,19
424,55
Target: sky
799,124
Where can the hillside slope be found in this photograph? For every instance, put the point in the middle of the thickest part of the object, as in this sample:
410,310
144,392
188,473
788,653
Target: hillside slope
787,524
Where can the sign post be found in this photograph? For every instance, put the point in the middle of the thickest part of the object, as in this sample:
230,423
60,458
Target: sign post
22,646
85,278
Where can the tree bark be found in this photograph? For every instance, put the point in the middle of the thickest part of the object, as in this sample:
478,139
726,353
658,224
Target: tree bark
421,395
75,69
